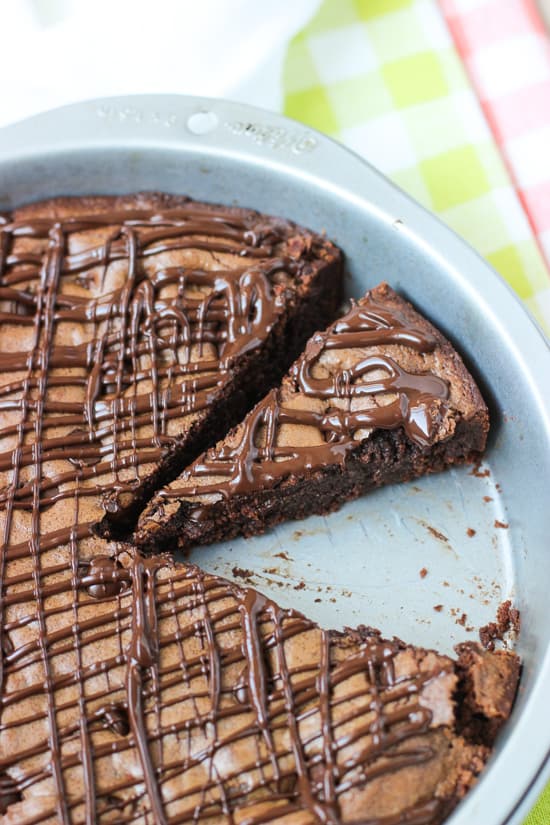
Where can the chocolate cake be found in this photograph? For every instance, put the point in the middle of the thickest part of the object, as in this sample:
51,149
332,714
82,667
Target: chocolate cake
135,331
380,396
142,691
134,689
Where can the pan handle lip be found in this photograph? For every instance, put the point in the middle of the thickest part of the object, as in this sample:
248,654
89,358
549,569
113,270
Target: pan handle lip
274,141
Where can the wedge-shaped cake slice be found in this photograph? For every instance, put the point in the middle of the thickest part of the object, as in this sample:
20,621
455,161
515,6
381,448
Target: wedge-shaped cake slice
142,691
134,332
380,396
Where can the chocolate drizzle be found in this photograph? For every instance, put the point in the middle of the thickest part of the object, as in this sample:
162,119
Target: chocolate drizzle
372,391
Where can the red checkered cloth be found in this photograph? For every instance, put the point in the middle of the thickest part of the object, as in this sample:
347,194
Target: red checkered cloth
506,50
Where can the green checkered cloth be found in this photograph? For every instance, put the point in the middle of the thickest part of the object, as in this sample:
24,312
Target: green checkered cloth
540,815
383,77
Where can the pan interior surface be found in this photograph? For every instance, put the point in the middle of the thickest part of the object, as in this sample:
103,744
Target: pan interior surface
363,564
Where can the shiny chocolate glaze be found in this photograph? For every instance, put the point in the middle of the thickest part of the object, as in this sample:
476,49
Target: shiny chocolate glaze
257,460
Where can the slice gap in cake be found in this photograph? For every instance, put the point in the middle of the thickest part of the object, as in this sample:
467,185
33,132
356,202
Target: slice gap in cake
379,397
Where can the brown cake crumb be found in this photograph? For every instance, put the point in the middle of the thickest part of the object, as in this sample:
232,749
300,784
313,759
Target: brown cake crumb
242,572
436,533
300,586
508,620
487,498
478,473
438,607
487,634
462,620
502,524
423,573
509,616
470,532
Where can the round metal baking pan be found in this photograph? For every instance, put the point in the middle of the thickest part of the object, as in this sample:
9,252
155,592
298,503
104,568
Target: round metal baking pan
361,565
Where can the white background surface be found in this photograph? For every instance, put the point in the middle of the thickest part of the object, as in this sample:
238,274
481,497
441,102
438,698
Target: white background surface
69,50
